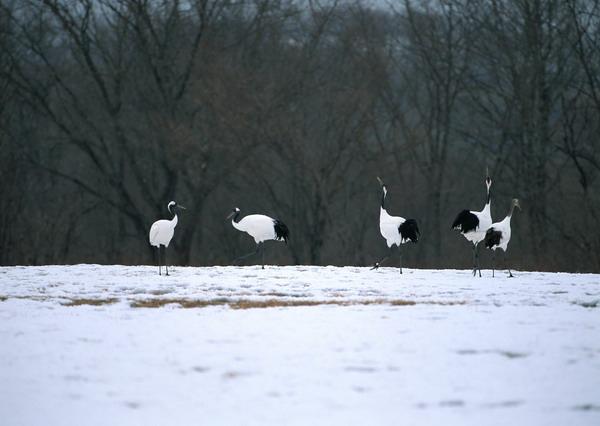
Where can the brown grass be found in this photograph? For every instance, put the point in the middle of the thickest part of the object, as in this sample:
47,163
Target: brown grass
276,303
92,302
242,303
444,302
184,303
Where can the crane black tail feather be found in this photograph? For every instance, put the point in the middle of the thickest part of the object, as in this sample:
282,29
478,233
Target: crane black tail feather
409,230
465,222
492,238
281,230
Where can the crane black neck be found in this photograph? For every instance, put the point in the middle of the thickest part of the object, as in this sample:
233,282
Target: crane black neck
236,217
383,194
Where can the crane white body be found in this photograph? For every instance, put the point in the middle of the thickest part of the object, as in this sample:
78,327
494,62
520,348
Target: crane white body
258,226
504,228
389,227
395,230
261,228
485,221
162,231
498,235
473,225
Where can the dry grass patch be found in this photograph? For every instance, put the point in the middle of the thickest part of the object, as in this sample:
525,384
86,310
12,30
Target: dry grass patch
401,302
275,303
277,294
91,302
184,303
444,302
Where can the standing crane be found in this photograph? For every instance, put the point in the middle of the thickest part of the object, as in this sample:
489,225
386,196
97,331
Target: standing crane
473,225
498,235
395,229
261,228
162,231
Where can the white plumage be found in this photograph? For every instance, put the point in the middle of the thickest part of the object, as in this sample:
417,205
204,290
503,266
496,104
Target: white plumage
259,226
473,225
395,229
485,221
162,231
503,227
498,234
389,227
474,228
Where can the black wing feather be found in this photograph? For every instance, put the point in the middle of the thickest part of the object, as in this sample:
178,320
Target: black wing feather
281,230
465,222
409,230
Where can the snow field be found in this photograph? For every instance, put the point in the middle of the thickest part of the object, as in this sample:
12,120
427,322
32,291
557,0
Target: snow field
425,347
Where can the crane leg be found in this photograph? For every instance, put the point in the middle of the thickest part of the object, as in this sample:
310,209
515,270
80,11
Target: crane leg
477,257
262,249
166,266
510,275
493,262
158,257
474,259
400,253
383,259
237,259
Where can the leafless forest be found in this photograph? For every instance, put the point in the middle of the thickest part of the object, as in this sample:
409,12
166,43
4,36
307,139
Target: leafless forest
109,109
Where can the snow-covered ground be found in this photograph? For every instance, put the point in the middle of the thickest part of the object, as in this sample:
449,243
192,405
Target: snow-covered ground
120,345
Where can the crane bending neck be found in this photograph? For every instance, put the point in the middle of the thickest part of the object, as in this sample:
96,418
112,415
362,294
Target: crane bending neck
237,225
235,221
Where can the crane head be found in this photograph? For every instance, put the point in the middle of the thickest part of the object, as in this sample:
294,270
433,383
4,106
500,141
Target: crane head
233,213
383,186
174,205
488,182
516,203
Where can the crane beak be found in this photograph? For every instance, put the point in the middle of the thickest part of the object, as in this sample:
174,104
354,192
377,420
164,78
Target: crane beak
380,181
229,216
181,207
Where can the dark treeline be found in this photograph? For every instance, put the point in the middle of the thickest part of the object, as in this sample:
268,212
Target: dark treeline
109,109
